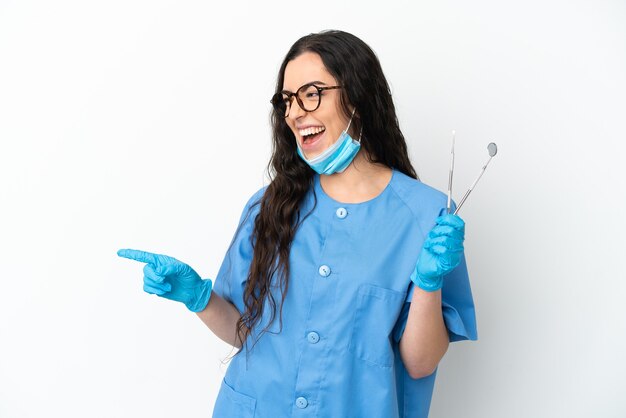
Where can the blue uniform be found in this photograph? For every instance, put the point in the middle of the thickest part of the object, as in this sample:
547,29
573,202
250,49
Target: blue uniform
345,310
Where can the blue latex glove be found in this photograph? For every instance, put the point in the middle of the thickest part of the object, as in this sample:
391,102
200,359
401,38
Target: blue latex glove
169,278
441,252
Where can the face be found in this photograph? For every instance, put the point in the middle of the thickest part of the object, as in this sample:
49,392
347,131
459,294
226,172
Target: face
315,131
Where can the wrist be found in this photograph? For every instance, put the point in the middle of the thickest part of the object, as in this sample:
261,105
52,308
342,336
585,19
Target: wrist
430,285
203,295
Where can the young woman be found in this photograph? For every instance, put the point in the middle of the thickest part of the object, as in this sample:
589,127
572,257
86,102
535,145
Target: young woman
346,278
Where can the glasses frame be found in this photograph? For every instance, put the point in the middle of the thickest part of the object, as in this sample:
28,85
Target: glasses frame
278,97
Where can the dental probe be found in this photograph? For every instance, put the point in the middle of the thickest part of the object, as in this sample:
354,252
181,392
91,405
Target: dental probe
451,172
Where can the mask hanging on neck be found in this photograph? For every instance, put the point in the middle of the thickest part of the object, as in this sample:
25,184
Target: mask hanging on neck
337,157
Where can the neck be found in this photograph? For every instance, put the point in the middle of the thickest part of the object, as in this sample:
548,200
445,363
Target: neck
361,181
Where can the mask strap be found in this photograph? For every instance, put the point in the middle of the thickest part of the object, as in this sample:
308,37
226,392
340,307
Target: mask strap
350,122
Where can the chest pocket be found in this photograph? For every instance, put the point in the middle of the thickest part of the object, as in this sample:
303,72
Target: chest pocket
377,311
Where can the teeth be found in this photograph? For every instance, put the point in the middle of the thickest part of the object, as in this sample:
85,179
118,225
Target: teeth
312,130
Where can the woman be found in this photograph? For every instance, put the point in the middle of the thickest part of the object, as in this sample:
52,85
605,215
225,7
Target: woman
343,281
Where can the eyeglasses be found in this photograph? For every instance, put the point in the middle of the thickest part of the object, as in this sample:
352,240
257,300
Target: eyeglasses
309,98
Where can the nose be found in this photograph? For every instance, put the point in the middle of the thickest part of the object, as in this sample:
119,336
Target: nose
295,111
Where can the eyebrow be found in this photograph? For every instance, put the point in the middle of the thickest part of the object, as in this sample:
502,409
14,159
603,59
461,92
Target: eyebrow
306,84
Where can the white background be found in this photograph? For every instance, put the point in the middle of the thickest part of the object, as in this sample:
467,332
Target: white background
145,124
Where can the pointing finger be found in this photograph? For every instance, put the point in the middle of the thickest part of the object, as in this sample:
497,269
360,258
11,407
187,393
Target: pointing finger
141,256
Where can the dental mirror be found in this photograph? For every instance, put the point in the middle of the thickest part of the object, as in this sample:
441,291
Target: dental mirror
492,148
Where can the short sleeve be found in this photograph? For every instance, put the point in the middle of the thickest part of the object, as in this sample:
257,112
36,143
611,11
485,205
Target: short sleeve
457,301
233,273
457,306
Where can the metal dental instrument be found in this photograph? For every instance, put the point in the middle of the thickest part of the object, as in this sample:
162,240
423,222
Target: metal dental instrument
451,171
493,150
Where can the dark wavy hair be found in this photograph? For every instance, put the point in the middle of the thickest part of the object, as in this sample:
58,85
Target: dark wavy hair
355,67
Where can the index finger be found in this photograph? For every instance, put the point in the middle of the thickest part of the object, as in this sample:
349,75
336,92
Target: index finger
454,221
137,255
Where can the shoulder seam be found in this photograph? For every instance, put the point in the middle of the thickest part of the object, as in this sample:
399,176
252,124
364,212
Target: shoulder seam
403,200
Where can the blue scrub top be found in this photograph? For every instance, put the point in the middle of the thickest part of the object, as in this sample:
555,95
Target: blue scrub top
345,311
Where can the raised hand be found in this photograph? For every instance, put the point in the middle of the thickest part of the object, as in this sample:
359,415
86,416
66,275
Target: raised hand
441,253
169,278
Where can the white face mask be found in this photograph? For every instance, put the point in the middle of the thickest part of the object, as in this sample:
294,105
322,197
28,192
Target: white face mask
337,157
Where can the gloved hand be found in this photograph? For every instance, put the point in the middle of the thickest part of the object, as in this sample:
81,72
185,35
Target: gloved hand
169,278
441,252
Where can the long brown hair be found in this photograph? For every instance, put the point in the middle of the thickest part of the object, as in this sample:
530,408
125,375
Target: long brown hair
355,67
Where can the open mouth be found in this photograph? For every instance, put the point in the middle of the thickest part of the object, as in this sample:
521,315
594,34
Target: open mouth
310,135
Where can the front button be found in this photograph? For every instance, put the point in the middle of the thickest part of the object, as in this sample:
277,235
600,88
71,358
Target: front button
324,271
301,402
341,213
313,337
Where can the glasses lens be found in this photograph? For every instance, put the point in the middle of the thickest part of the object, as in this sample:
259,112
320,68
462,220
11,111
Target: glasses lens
280,102
309,98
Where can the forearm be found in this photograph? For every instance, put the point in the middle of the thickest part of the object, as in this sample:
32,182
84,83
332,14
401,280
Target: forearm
425,337
221,317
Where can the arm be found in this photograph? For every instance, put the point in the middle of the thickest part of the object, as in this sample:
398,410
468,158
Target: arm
221,317
425,338
172,279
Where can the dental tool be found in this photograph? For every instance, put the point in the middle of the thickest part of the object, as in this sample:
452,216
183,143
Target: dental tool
492,148
451,171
